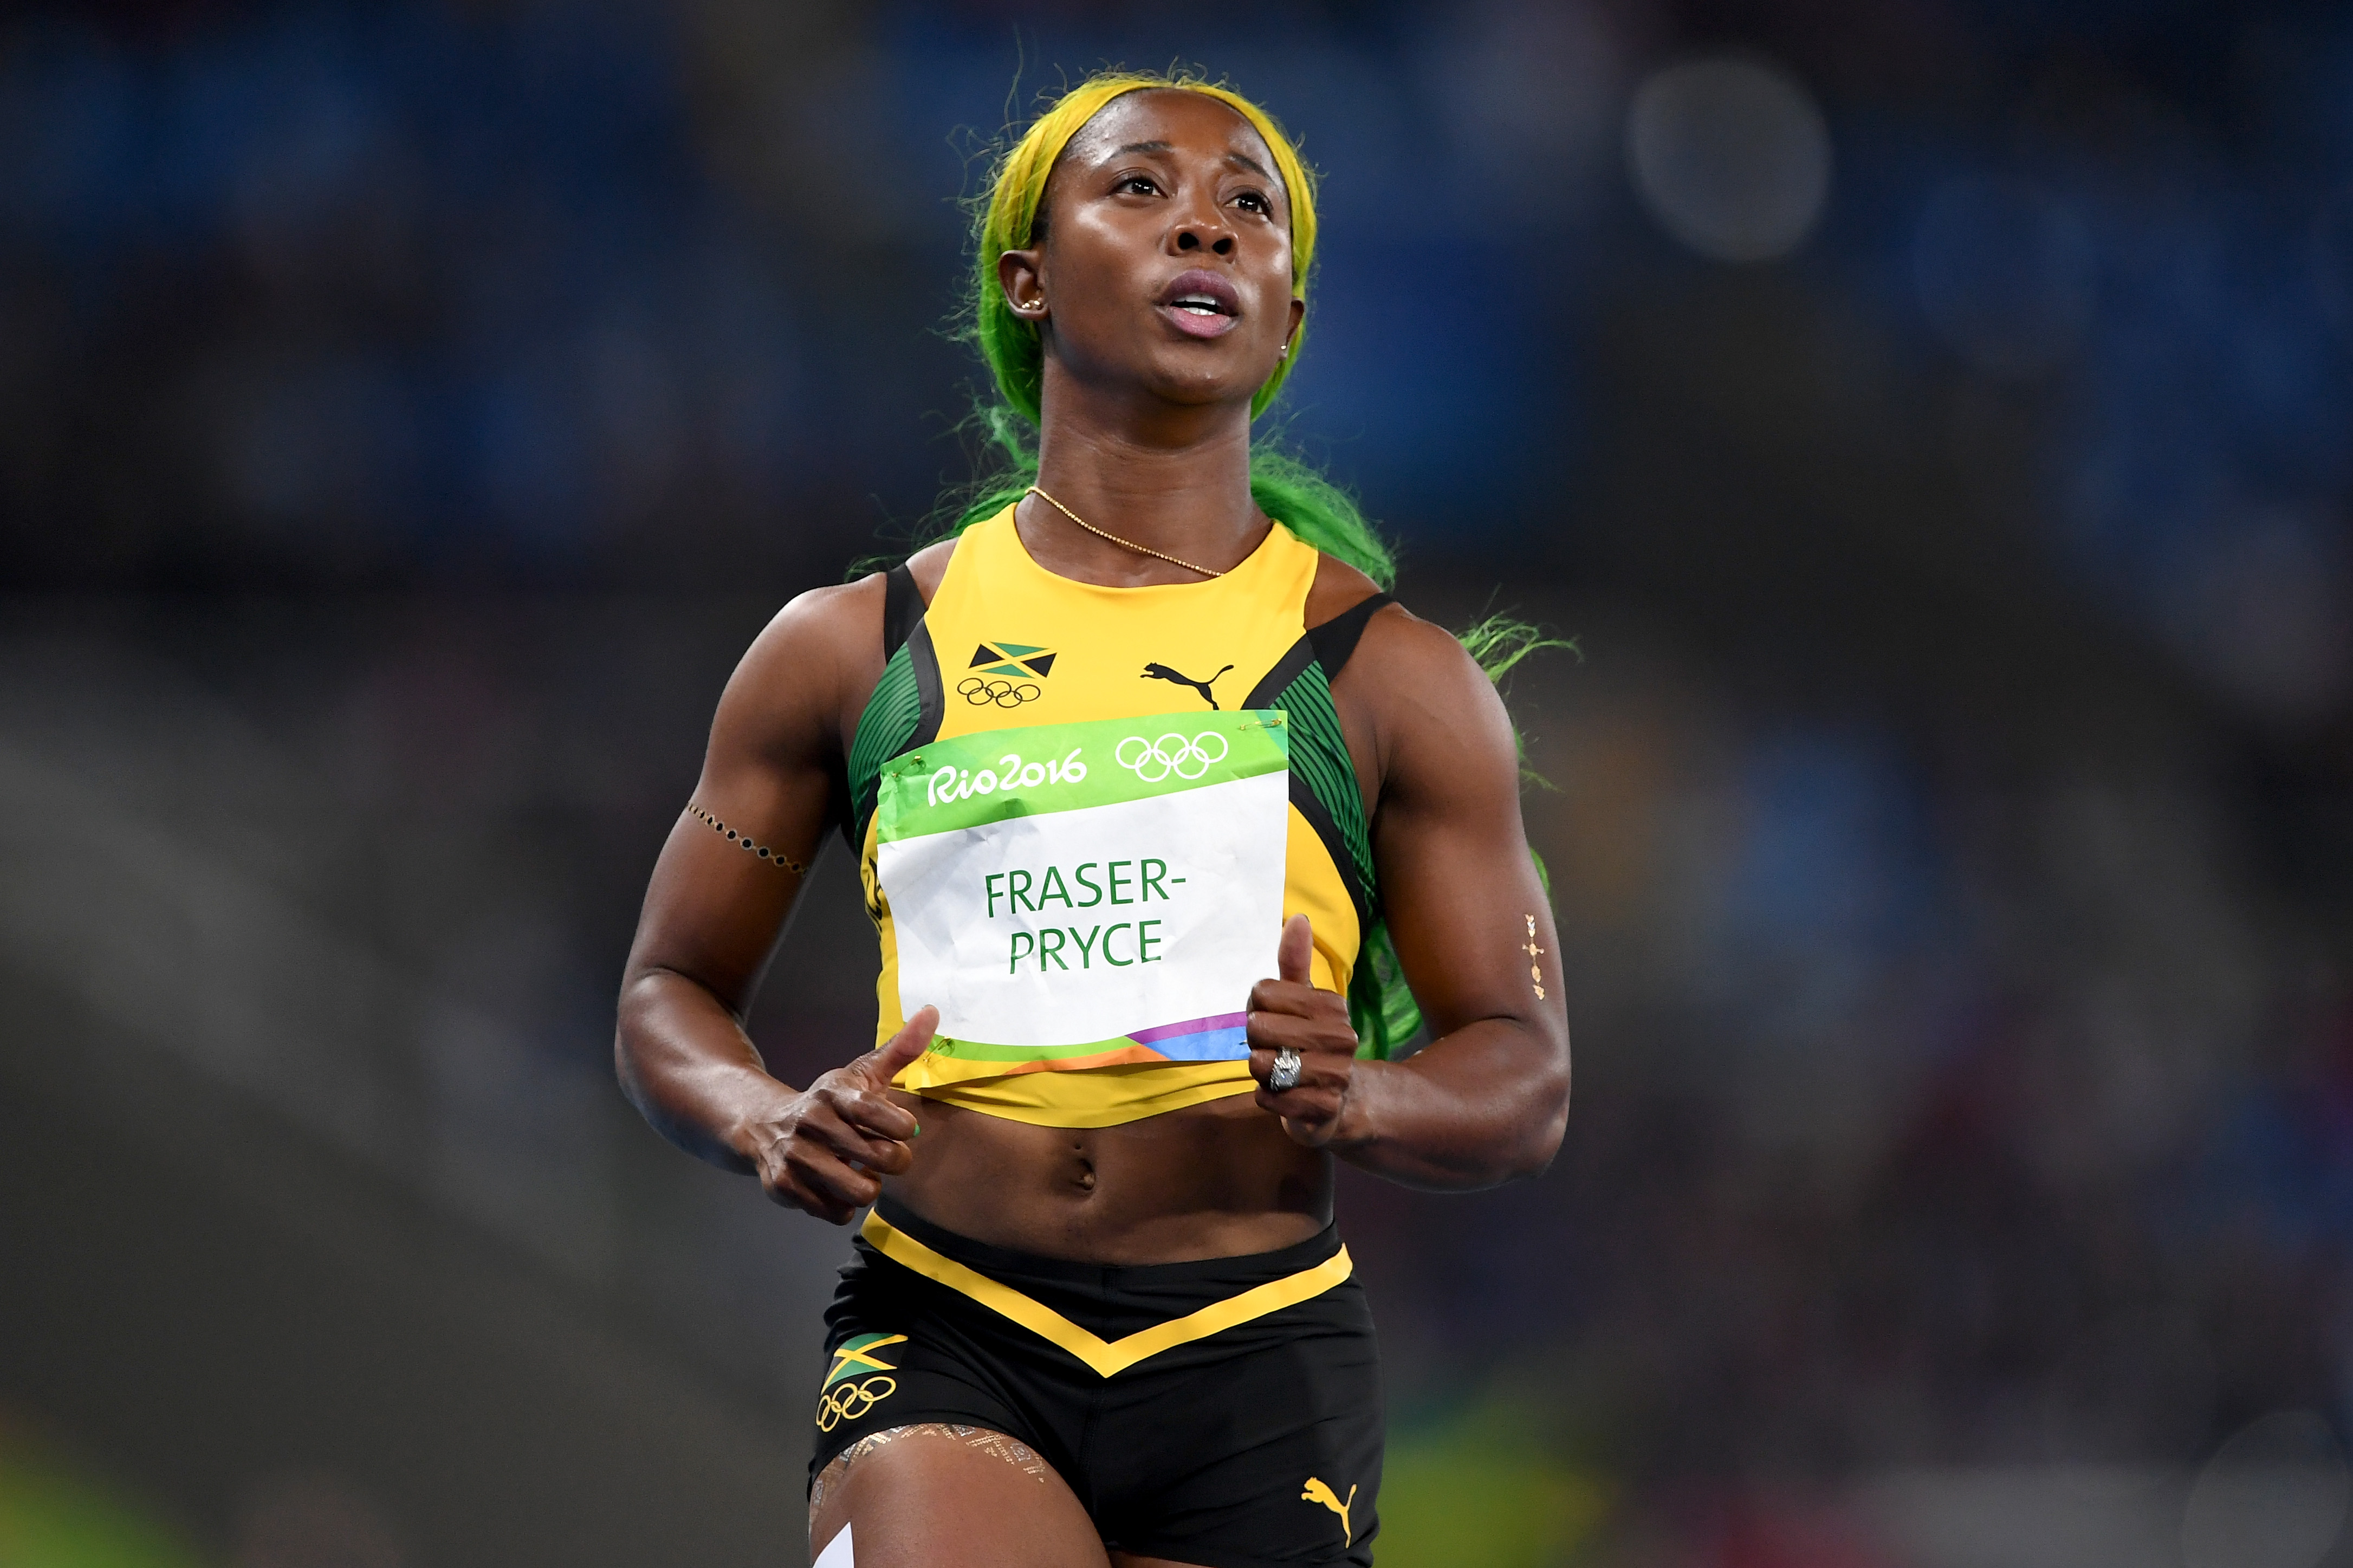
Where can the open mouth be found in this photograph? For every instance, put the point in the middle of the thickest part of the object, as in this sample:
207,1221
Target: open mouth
1200,299
1201,304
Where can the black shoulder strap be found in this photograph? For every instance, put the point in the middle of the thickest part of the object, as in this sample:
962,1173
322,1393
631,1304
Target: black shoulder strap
925,663
903,606
1328,645
904,627
1335,640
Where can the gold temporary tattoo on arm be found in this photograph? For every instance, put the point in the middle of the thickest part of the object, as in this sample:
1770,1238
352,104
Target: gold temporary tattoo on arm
1535,971
774,856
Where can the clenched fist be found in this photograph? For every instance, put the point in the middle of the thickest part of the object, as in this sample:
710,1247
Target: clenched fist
824,1150
1290,1011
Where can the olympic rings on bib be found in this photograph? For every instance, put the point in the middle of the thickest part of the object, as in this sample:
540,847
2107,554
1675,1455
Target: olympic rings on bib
1004,693
1187,757
852,1400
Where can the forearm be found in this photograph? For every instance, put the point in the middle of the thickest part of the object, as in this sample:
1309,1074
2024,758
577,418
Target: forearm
685,1062
1480,1107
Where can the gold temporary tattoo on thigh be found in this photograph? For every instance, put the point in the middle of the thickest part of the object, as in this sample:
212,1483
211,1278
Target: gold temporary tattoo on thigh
1013,1451
981,1440
1535,971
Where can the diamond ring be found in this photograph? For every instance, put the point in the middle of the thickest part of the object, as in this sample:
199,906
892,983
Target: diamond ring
1286,1070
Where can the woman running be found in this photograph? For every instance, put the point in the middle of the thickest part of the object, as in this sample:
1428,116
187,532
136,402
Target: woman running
1144,729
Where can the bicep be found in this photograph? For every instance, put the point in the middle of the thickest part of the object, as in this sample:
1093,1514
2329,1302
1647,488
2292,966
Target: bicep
715,908
1465,905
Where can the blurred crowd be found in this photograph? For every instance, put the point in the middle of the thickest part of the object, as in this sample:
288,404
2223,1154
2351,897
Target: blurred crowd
1930,419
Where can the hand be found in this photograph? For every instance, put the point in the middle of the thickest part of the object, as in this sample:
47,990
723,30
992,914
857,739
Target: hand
824,1150
1290,1011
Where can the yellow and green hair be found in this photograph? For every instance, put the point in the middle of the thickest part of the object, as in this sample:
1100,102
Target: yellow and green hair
1009,221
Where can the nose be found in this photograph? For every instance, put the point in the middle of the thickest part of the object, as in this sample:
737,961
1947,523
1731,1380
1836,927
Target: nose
1205,237
1201,226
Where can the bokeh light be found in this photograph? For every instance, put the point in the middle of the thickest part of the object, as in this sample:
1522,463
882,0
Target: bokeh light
1732,156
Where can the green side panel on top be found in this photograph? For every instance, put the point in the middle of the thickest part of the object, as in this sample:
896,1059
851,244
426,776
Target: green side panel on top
1319,756
884,731
1380,1006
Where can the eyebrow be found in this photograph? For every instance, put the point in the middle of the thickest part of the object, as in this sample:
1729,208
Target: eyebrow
1244,158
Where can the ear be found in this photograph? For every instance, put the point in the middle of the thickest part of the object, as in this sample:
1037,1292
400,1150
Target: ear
1020,274
1298,316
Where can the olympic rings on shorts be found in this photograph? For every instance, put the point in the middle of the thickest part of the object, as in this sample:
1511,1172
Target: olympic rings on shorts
852,1400
1004,693
1189,757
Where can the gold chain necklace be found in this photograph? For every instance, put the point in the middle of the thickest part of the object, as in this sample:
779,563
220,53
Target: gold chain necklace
1116,539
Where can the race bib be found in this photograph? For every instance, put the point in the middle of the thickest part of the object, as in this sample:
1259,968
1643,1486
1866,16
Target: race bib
1078,894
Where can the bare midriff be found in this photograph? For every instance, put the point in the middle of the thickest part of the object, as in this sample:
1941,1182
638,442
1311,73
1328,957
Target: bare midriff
1217,1180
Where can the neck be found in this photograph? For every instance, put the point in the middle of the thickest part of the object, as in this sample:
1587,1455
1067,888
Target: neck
1177,481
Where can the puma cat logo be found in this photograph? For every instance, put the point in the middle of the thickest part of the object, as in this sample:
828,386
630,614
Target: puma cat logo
1162,672
1318,1492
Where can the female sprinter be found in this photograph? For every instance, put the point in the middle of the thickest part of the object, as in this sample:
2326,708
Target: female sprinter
1118,749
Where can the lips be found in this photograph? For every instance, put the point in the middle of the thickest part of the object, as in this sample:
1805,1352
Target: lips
1200,304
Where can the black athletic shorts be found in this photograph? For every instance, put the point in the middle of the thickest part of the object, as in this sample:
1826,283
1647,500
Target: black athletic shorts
1226,1412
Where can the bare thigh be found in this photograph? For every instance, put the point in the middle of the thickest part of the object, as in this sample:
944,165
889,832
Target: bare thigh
922,1496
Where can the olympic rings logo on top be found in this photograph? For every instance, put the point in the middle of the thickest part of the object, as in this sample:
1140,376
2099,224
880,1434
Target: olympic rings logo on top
1185,756
1004,693
852,1400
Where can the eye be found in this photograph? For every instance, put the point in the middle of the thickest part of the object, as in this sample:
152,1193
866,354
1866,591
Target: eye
1139,185
1255,201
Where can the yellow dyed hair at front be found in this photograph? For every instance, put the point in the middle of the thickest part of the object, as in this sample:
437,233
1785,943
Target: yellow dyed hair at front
1010,219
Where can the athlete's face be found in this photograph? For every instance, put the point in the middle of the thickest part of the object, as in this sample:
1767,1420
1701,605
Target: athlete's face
1166,261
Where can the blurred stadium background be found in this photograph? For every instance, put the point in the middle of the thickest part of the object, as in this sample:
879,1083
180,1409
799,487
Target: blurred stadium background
1933,420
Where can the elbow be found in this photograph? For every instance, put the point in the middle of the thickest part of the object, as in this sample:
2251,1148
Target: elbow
625,1071
1547,1124
1538,1156
638,1058
629,1016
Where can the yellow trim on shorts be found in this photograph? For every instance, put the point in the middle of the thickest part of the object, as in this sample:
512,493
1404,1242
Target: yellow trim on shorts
1106,1357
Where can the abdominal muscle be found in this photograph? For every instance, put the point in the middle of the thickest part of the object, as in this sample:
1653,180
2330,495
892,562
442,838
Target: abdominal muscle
1216,1180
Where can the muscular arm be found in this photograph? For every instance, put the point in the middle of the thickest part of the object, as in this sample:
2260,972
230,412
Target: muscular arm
712,915
1488,1098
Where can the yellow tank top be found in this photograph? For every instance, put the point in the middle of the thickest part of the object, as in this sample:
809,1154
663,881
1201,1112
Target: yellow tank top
1005,645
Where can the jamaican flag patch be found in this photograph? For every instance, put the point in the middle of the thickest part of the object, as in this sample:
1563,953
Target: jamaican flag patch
1017,660
859,1354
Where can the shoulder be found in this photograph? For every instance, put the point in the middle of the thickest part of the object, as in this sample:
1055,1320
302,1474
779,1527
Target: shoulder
828,625
1401,651
842,626
1424,703
799,685
808,674
1394,639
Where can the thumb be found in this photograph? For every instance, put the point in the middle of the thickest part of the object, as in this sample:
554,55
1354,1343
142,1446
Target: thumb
882,1064
1295,951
